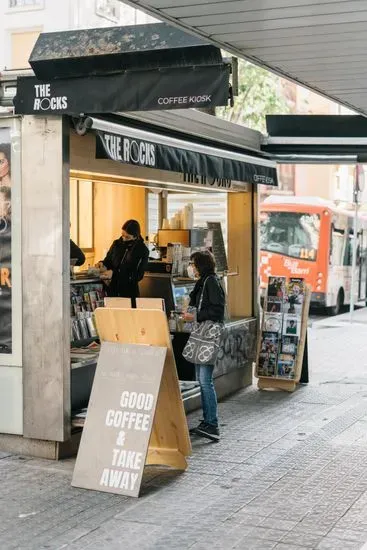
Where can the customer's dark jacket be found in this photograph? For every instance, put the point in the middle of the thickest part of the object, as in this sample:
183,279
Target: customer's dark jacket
128,261
76,253
212,307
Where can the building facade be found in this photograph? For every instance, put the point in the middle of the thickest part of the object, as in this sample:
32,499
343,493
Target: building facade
21,21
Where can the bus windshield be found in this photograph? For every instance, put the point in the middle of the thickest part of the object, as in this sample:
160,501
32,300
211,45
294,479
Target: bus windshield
294,234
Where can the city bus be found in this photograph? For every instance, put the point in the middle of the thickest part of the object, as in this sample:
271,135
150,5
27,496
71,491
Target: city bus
313,239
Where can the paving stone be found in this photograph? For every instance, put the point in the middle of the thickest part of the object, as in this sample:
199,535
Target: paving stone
329,543
255,544
289,473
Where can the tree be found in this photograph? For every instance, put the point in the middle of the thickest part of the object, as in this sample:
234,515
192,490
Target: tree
260,93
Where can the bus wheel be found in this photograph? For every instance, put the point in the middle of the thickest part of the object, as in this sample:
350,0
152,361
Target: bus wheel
335,310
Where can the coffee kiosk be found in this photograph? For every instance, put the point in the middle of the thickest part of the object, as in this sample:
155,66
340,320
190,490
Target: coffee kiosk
41,377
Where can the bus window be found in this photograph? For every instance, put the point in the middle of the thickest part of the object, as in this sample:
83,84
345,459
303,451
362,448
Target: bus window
337,245
293,234
348,254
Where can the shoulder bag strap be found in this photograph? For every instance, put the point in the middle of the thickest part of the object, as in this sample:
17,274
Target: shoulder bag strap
202,294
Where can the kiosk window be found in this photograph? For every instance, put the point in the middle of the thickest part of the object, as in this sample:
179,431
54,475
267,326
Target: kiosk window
153,212
82,213
207,207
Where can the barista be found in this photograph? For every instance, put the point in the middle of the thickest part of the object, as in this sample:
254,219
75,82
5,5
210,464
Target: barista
76,254
126,262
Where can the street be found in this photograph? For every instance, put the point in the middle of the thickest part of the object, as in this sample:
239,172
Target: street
289,473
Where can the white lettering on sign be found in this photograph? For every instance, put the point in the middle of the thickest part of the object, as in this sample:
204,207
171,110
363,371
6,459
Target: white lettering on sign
44,101
294,269
132,151
263,180
221,183
140,401
118,479
183,100
128,419
127,459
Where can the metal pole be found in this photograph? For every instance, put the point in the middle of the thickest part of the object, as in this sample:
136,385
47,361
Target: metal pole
354,259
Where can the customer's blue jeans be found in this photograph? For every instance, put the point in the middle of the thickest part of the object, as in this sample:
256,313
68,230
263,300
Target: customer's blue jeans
204,375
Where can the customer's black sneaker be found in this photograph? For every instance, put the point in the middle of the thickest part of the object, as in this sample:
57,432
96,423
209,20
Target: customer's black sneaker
209,431
201,425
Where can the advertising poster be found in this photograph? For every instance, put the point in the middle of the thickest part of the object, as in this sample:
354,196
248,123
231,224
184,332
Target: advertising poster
10,245
6,332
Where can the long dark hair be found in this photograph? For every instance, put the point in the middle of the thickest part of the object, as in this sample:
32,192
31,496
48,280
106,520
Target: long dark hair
132,227
204,262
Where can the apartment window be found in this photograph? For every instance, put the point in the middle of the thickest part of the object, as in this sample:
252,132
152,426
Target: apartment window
21,45
26,3
110,9
82,213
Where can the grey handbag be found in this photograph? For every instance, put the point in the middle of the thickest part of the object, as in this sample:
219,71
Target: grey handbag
203,344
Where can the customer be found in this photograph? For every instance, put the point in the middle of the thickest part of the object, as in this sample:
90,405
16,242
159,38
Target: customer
76,254
212,309
126,262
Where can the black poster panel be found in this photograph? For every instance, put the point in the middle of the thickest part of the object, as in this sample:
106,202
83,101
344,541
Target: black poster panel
178,88
5,243
163,157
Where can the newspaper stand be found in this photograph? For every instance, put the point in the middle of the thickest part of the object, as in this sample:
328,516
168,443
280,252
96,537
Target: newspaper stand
301,363
167,442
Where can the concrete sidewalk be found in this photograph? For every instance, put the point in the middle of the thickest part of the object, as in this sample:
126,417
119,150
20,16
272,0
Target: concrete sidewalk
289,473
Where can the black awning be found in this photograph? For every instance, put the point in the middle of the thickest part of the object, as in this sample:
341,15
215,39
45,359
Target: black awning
174,88
317,126
107,50
141,147
337,139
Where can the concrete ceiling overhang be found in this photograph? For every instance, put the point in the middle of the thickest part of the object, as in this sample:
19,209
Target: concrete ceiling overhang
320,44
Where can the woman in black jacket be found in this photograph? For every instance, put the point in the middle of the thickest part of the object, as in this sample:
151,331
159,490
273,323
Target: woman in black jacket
212,309
127,259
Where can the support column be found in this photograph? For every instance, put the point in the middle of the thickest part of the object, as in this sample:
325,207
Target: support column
46,278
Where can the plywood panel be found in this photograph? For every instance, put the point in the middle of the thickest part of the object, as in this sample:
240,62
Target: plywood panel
113,205
240,260
124,303
170,443
150,303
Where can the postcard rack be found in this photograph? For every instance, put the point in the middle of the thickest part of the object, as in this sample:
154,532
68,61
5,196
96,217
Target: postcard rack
283,334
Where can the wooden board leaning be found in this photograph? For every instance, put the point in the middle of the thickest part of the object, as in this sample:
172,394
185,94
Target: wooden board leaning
136,360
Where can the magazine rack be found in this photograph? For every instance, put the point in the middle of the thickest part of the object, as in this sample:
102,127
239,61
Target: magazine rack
279,382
